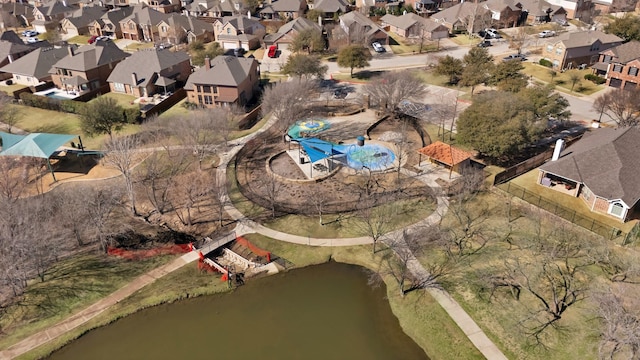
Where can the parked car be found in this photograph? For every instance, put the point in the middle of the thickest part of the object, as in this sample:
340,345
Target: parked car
32,40
484,43
92,39
378,47
29,33
547,33
520,57
238,52
103,38
562,22
492,33
273,51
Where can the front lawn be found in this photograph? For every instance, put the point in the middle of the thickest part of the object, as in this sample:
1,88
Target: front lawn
80,40
400,45
562,80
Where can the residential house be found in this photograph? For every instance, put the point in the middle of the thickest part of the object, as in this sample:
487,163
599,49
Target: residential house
448,156
15,14
49,15
570,50
331,8
283,9
615,6
109,23
359,28
150,71
142,24
602,169
164,6
576,9
88,67
287,32
411,25
214,8
423,7
33,68
464,17
178,29
504,13
223,81
78,23
233,32
620,65
540,11
11,51
11,36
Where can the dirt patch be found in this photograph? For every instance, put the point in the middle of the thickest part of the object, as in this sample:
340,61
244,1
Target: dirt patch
283,165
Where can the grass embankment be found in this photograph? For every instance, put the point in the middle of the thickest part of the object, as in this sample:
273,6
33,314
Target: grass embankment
69,286
400,45
419,315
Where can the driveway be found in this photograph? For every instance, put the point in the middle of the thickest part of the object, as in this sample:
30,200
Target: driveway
268,64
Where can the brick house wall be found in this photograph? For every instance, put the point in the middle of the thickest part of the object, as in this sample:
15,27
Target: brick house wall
96,77
220,94
625,76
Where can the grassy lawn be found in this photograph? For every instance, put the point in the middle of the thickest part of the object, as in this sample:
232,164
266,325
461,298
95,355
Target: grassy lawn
80,40
528,181
464,39
69,286
420,316
137,46
400,45
9,89
562,80
123,100
48,121
176,110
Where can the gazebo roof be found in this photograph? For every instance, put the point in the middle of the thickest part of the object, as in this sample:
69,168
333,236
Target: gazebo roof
318,149
445,153
35,145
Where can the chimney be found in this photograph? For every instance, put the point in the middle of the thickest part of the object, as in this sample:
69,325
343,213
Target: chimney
558,149
207,63
10,58
64,3
134,78
71,50
320,20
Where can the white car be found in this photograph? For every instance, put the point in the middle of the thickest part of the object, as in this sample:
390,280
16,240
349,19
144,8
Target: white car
377,47
547,33
32,40
29,33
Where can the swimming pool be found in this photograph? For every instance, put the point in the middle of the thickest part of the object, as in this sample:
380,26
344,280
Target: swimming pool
54,95
308,126
374,157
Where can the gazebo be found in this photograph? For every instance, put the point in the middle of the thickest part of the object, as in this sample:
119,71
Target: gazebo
446,155
317,150
39,145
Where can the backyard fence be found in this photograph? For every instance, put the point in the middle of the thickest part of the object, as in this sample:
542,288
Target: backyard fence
600,228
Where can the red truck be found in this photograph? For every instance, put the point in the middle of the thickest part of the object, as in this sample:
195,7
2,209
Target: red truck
273,50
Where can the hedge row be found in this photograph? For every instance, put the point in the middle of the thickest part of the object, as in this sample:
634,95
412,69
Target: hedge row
595,79
545,62
131,115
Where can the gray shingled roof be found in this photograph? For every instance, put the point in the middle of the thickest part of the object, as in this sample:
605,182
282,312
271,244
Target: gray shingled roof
241,22
8,48
189,23
540,7
11,37
92,56
283,6
298,25
458,12
606,161
409,19
224,71
37,63
586,38
145,15
86,15
55,8
499,5
626,52
355,17
331,6
145,64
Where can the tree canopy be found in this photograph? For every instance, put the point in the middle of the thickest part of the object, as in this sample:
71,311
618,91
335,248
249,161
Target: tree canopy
626,27
621,106
102,116
354,56
478,65
500,124
393,87
199,52
308,39
450,67
302,65
506,76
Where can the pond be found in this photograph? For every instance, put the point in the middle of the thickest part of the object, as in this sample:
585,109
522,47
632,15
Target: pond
320,312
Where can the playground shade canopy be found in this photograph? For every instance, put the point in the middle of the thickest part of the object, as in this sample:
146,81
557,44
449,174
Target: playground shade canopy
40,145
318,149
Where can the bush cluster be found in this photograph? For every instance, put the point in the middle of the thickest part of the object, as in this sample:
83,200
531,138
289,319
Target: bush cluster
545,62
595,79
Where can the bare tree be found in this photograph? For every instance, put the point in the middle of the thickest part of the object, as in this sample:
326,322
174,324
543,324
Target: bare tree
157,175
14,177
192,190
101,203
10,114
287,101
393,87
375,222
318,197
620,332
621,106
271,187
202,131
519,39
121,155
73,207
574,78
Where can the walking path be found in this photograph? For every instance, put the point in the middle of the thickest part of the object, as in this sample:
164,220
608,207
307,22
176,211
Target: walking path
455,311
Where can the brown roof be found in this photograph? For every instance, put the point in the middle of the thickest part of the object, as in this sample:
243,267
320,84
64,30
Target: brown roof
605,160
445,153
626,52
587,38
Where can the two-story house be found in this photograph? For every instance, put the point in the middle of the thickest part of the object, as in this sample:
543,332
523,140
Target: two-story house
15,14
78,22
359,28
11,51
179,29
164,6
576,9
504,13
289,31
571,50
88,67
233,32
331,8
283,9
109,24
412,25
150,71
49,15
464,17
621,64
540,11
142,24
33,68
214,8
223,81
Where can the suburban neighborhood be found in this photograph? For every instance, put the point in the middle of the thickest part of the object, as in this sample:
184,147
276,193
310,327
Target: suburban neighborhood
417,179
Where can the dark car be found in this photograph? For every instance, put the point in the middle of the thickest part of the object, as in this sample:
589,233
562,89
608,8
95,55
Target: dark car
514,57
238,52
340,93
485,43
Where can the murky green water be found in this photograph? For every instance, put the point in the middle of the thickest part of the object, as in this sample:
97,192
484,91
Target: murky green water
321,312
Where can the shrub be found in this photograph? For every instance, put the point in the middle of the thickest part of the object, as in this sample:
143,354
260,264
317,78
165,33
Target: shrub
72,106
132,115
41,102
545,62
595,79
